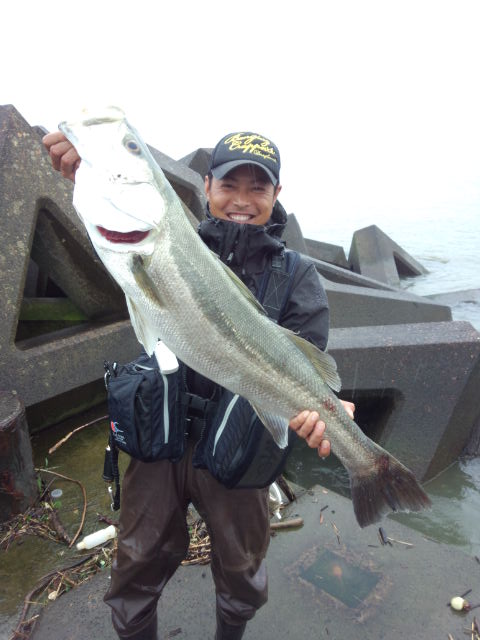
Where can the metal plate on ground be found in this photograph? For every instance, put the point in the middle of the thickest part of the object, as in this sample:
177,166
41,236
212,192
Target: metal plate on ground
338,577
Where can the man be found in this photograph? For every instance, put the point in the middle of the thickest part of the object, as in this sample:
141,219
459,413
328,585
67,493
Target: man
243,224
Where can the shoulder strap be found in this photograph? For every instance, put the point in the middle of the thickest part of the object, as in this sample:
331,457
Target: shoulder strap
276,284
111,472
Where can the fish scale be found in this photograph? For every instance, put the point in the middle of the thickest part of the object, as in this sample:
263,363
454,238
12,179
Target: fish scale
181,293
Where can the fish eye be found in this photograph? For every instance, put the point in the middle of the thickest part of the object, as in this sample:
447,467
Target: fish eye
131,145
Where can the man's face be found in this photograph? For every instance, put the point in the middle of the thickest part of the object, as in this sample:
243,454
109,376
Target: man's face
245,195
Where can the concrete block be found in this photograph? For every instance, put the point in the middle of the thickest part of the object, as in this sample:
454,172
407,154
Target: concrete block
199,161
38,220
472,448
357,301
421,382
344,276
354,306
330,253
293,235
187,183
61,249
18,487
374,254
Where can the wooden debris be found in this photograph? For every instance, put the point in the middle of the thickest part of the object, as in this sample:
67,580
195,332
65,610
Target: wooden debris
40,520
337,533
59,528
69,435
57,582
287,524
473,631
199,551
84,512
407,544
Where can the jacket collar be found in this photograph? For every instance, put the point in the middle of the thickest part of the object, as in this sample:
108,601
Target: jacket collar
244,247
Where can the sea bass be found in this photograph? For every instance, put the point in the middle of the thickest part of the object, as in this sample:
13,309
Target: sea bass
178,291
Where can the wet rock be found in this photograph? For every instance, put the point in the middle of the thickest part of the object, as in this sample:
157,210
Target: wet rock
18,487
374,254
293,236
331,253
472,447
421,381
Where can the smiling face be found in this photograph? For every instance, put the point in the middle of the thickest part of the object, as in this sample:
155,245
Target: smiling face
245,195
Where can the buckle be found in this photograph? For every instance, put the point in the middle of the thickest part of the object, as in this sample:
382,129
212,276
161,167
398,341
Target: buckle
194,428
196,405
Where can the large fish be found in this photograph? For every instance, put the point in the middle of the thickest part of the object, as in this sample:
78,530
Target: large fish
178,291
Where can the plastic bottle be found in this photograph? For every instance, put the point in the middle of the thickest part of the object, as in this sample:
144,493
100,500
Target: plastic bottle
98,537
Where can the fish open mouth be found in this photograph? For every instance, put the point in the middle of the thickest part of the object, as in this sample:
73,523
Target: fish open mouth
131,237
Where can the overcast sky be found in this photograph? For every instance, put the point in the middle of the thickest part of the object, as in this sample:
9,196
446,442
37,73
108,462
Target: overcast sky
375,105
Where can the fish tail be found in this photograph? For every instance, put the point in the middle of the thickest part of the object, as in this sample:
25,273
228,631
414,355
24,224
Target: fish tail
390,487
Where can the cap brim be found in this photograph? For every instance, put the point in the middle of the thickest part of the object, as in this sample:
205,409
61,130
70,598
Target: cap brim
222,170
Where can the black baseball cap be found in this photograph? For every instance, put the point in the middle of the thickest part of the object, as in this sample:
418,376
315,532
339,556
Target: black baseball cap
245,147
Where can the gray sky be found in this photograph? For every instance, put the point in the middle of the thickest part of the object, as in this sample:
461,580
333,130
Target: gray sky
375,106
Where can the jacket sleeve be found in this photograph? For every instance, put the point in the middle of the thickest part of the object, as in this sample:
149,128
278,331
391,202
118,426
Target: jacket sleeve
306,311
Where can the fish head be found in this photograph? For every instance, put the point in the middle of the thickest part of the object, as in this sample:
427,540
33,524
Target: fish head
120,192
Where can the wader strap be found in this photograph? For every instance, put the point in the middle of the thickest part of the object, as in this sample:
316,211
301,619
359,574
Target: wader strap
195,409
115,473
276,284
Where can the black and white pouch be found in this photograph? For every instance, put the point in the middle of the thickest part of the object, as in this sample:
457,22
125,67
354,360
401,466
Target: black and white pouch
238,450
144,410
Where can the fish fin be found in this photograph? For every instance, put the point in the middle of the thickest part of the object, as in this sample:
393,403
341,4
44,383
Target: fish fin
144,281
390,487
142,331
323,362
244,290
276,425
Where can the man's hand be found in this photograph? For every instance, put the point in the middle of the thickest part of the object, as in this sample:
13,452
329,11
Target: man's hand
308,426
63,154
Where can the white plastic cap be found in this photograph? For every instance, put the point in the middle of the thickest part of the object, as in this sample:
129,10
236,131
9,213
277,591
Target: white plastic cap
167,360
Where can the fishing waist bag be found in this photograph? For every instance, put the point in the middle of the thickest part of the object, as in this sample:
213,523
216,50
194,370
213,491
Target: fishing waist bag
237,449
144,410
